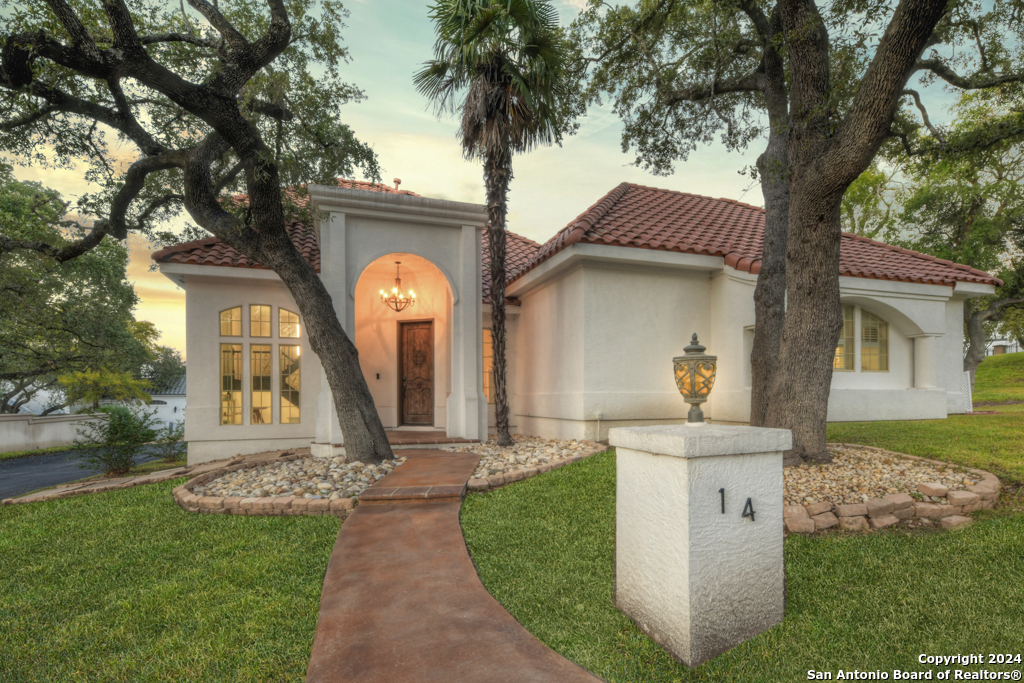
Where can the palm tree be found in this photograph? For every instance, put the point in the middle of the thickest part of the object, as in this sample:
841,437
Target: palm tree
509,60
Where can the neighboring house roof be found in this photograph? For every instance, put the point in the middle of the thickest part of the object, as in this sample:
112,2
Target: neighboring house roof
210,251
174,389
665,220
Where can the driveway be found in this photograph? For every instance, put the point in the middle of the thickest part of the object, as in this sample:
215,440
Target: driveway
22,475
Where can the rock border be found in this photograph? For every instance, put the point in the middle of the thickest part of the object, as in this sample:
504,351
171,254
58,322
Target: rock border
267,506
891,509
341,507
495,481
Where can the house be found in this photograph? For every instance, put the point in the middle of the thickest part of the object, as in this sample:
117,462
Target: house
168,402
595,316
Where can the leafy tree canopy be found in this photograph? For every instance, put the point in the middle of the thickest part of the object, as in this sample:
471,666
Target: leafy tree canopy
63,117
682,74
58,318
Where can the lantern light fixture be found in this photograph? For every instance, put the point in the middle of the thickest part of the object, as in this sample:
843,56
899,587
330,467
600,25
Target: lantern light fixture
396,299
695,375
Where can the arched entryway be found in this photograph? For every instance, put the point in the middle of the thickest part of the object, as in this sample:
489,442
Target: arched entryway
406,354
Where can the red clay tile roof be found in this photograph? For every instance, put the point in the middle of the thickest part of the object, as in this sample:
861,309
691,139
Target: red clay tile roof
212,252
519,251
649,218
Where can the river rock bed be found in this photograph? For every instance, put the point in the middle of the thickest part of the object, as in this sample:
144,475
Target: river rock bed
308,477
859,474
525,452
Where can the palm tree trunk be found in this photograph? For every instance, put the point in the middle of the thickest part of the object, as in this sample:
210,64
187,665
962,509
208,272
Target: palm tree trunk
497,176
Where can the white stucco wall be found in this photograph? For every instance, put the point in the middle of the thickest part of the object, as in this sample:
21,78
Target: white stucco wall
205,298
597,342
26,432
600,326
171,409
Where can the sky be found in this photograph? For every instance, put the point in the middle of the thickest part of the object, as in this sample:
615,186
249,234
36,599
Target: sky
389,40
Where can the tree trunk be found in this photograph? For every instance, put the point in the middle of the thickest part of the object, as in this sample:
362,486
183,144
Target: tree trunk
770,293
825,156
813,319
365,438
976,340
497,176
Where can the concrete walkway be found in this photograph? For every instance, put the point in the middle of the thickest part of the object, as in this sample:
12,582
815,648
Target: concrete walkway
402,600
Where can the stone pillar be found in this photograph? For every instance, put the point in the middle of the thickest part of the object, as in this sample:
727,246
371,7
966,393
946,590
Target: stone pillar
924,361
699,534
334,273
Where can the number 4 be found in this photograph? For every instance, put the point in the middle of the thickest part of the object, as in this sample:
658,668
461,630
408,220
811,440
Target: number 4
748,510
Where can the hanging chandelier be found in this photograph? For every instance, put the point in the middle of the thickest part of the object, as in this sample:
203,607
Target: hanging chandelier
397,300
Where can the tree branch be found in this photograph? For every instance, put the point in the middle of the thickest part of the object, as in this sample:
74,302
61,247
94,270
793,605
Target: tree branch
924,114
974,82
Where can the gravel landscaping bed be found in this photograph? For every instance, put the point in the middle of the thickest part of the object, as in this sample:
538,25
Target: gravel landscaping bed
308,477
857,475
526,452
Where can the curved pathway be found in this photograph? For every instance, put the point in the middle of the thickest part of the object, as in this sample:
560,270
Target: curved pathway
402,600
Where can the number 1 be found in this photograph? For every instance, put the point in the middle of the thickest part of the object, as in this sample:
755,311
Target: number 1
721,492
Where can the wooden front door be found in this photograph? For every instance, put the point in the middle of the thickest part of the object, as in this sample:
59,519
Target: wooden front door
416,373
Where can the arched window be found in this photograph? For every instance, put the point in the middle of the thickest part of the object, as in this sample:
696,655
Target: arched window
231,322
289,324
874,343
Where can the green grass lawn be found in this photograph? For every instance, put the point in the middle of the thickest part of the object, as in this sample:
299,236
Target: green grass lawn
991,442
125,586
544,547
1000,378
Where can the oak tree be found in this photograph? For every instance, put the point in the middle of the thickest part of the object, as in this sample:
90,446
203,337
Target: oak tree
182,106
824,86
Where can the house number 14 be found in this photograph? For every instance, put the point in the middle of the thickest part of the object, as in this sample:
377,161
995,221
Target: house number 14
748,509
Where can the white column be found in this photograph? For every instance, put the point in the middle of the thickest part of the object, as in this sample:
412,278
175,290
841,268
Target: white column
924,362
698,536
334,273
467,406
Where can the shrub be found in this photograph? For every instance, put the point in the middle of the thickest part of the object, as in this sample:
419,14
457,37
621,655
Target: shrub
116,439
170,441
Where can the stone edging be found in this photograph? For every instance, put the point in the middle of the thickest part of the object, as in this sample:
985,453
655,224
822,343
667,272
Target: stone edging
291,505
890,510
267,506
498,480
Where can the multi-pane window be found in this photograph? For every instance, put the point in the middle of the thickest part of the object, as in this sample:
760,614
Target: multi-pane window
488,365
231,322
259,368
289,383
874,343
231,384
259,320
289,324
843,360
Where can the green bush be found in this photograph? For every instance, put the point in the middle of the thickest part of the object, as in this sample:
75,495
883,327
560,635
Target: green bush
170,441
116,439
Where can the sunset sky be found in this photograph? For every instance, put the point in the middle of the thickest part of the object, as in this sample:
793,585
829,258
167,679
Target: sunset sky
552,185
